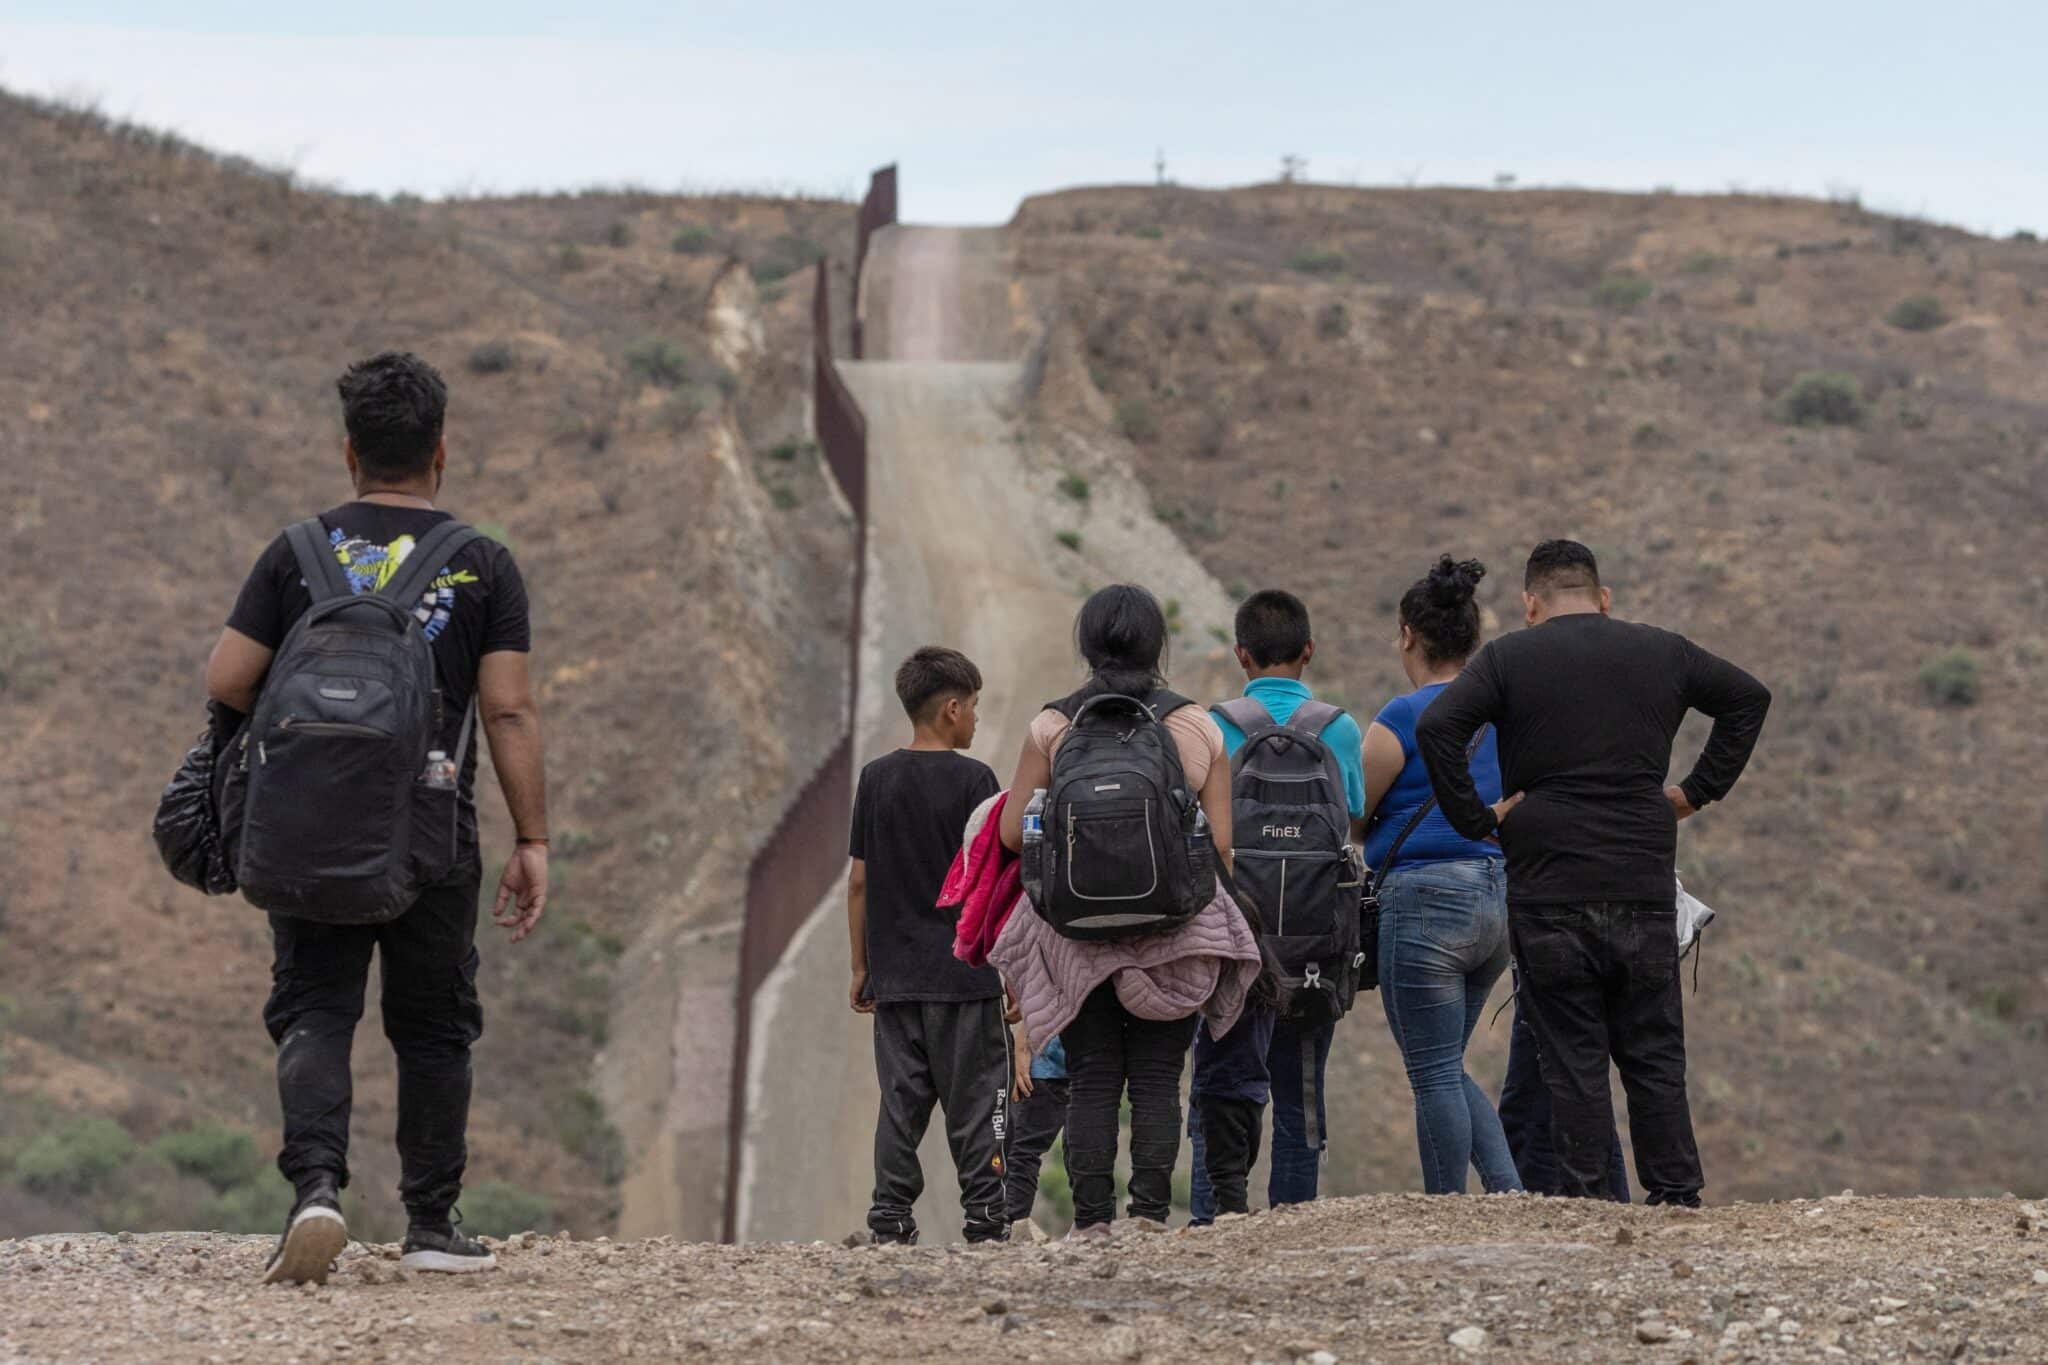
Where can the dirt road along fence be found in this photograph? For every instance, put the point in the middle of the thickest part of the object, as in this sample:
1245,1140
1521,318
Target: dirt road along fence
806,852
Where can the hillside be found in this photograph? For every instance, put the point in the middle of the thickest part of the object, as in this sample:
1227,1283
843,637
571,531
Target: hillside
629,379
1325,388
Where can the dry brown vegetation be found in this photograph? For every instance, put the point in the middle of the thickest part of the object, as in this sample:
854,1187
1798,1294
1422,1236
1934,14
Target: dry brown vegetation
1325,388
627,413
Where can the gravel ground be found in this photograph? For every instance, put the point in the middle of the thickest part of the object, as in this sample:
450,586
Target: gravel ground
1386,1277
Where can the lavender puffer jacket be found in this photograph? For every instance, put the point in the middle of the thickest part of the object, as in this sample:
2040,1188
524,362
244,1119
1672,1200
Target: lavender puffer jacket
1206,965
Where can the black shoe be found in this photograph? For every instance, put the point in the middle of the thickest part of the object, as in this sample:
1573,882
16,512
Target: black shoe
439,1248
313,1237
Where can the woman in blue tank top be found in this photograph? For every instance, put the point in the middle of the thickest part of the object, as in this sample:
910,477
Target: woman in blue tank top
1444,918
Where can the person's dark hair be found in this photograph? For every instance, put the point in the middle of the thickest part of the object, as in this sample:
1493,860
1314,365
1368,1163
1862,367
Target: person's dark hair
1440,610
931,675
1121,634
1561,566
1272,627
393,405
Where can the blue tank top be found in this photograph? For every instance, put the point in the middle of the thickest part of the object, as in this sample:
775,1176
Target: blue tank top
1434,841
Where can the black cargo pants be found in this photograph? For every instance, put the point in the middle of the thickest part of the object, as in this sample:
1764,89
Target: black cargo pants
1600,979
431,1015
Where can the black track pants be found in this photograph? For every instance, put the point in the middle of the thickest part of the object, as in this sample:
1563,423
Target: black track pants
955,1055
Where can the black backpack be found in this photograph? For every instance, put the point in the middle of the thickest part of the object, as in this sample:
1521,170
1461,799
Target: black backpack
327,812
1125,850
1291,829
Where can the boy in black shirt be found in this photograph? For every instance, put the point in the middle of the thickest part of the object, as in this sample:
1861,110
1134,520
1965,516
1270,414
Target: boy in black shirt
939,1031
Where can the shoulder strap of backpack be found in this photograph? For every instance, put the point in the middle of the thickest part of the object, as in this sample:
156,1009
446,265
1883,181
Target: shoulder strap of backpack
1245,713
1162,703
1313,717
430,554
1379,874
317,564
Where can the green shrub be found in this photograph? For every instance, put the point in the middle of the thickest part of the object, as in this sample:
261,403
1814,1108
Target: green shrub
1070,539
257,1205
653,360
1151,232
496,531
1703,263
1333,322
1074,486
25,666
618,234
1952,677
223,1157
584,1131
1822,398
76,1158
1917,313
493,357
1622,292
693,240
569,258
1312,260
1134,418
785,256
496,1209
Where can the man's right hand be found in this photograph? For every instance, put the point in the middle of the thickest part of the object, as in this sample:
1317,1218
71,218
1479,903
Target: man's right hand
522,891
857,994
1501,810
1020,1066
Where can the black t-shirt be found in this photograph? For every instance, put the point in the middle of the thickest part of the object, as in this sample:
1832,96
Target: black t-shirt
907,819
475,606
1586,708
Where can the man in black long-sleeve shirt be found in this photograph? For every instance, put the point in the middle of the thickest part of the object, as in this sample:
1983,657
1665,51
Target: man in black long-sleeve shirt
1586,708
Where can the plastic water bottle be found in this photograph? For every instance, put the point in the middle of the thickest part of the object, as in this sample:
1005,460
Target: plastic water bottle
440,774
1034,818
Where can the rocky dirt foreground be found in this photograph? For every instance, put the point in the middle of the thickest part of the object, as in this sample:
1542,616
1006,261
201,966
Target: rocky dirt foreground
1386,1277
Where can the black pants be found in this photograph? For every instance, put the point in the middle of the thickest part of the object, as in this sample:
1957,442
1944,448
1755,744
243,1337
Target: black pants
1230,1148
427,972
1599,981
1035,1123
955,1054
1525,1118
1110,1049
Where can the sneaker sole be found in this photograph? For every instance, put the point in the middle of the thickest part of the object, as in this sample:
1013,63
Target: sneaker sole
441,1263
316,1237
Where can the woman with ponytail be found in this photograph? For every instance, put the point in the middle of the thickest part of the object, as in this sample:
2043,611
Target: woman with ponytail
1125,1010
1443,897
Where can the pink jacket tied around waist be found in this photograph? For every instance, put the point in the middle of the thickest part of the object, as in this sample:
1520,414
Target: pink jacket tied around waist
983,885
1207,965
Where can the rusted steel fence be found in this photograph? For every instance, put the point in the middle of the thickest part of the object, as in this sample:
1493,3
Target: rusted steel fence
805,853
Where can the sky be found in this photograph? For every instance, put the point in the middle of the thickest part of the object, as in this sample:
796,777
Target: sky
1933,111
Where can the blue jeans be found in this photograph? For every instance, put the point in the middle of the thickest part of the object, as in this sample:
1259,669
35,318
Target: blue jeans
1443,943
1296,1165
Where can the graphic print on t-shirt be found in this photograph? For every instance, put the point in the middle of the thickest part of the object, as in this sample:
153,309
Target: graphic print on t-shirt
370,566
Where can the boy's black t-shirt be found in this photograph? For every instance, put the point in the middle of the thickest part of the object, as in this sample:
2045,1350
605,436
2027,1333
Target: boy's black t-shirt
475,606
908,815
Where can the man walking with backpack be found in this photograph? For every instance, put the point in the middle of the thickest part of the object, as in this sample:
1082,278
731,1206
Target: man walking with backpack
1586,709
1298,801
365,645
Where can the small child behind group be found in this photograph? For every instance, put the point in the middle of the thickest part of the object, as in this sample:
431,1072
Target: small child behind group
1038,1111
939,1031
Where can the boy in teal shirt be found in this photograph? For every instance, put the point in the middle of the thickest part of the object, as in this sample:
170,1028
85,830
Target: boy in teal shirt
1265,1058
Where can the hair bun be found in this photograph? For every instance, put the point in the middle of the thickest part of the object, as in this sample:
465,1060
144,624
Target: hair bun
1453,582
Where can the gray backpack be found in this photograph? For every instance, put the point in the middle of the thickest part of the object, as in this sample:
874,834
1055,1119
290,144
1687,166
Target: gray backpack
1291,830
328,812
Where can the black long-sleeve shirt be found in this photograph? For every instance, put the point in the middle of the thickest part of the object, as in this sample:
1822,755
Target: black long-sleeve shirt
1586,708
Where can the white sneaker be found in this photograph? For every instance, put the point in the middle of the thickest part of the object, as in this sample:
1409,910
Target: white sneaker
314,1236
